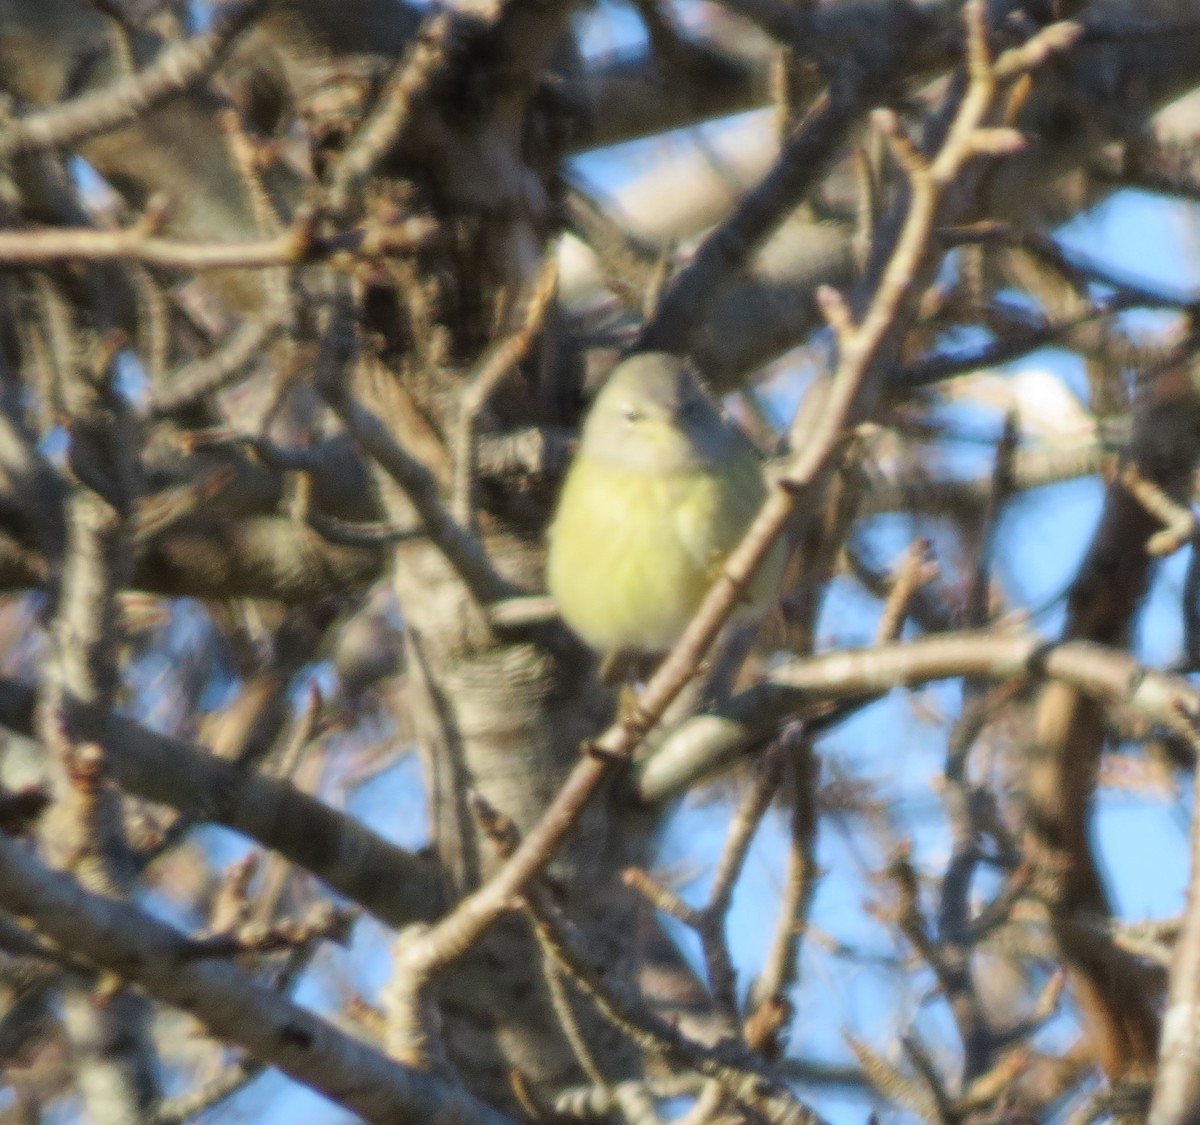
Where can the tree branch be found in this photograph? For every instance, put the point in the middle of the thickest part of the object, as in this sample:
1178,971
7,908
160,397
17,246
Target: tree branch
708,742
384,879
177,67
124,940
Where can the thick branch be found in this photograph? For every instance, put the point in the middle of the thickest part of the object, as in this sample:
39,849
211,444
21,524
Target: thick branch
1109,675
138,948
353,860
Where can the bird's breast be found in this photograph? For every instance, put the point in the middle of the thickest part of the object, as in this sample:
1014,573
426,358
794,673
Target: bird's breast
633,553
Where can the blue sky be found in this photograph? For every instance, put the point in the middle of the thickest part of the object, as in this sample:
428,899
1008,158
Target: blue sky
898,746
1140,839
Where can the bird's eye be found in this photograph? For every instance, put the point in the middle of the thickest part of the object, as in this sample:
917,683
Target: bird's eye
631,414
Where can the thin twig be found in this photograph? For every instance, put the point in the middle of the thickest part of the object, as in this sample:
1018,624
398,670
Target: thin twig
520,613
489,373
464,551
1179,521
740,1075
209,374
84,830
325,922
350,534
892,1083
295,246
129,98
1177,1084
914,570
781,967
125,940
1011,346
710,922
385,128
223,1085
1074,266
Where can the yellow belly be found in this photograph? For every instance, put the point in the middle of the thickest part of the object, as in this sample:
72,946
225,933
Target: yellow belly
633,554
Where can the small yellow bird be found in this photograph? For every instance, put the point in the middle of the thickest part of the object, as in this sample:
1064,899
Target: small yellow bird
663,487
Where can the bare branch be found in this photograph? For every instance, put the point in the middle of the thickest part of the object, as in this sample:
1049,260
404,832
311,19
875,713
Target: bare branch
297,245
130,943
352,859
177,67
707,742
385,128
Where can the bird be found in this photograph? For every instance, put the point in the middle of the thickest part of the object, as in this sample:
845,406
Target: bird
662,488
